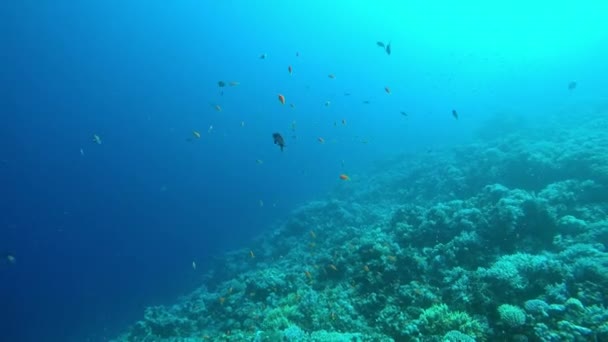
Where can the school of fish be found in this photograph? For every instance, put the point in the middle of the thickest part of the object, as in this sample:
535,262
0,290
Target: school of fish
278,138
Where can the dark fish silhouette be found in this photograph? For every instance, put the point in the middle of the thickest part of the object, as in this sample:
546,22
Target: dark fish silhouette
221,84
278,140
455,114
388,49
380,44
403,113
572,85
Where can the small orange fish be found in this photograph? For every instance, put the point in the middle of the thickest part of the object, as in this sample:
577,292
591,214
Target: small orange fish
251,254
332,76
290,69
387,90
282,99
321,140
344,177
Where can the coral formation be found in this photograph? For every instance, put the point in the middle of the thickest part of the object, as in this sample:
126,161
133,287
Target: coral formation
511,315
503,239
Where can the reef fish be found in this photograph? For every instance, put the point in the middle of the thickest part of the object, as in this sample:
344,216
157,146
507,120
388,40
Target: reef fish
281,99
278,140
572,85
8,257
344,177
455,114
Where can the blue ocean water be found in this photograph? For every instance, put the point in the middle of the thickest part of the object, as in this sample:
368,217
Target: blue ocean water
100,231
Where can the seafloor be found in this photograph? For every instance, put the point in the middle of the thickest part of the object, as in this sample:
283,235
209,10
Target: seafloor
500,240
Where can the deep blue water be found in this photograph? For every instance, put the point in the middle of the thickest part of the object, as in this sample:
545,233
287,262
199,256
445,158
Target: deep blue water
100,235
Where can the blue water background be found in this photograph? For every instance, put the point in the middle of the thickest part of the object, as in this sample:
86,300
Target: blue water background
97,237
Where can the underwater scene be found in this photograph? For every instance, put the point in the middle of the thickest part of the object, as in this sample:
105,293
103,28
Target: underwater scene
206,170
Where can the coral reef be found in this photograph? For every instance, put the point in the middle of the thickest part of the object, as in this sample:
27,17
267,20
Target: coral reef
502,240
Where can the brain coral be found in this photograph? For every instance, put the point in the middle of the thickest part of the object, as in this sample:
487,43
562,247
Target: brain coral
512,315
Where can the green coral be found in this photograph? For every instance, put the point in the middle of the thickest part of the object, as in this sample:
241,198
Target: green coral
439,320
279,318
457,336
511,315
